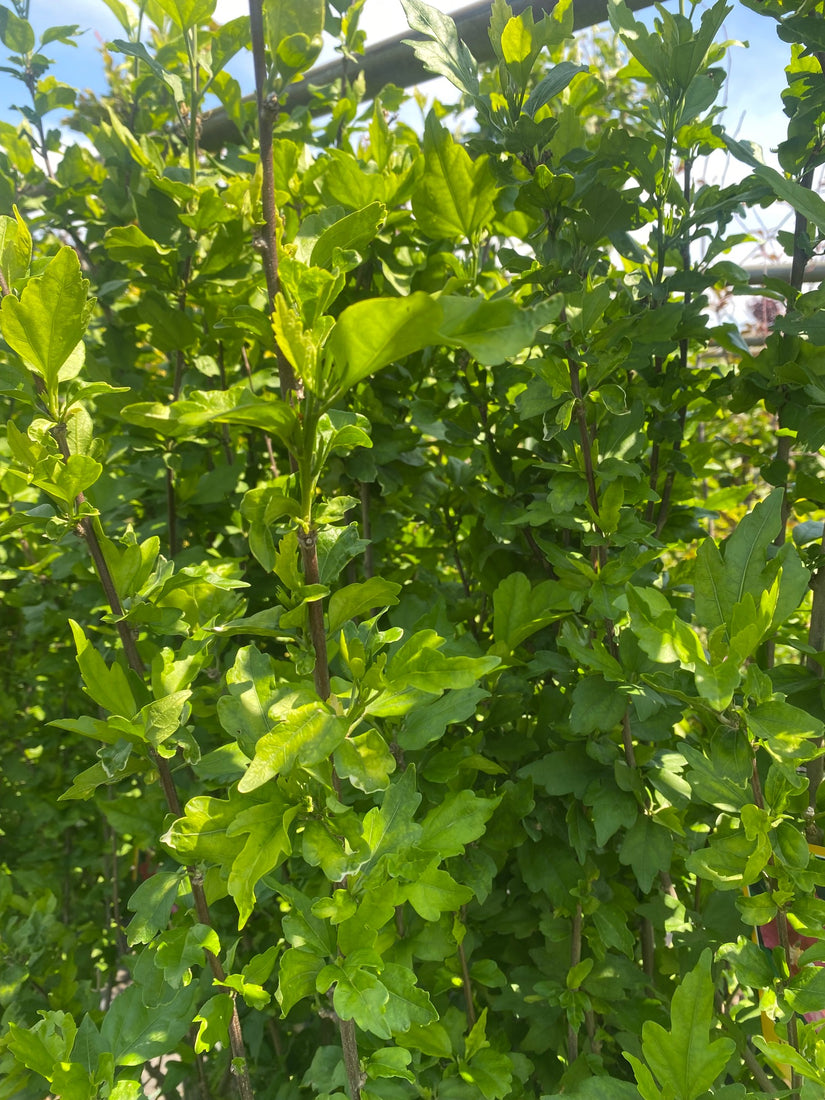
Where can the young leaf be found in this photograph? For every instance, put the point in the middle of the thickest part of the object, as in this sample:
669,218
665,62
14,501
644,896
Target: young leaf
107,685
442,51
213,1022
46,323
188,13
15,248
293,33
306,736
684,1059
455,196
435,892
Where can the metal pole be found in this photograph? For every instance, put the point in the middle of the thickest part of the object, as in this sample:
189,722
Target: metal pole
393,62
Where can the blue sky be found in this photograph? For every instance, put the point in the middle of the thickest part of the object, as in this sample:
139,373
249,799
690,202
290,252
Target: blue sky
753,89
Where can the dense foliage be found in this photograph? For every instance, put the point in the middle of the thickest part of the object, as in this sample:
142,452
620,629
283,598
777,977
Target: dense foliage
413,609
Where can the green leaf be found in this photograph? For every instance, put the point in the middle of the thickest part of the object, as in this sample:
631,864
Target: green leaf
354,231
603,1088
40,1047
296,976
751,964
597,705
407,1003
491,330
435,892
373,333
107,685
551,85
491,1071
201,834
164,717
684,1059
359,995
180,949
63,481
244,712
663,636
188,13
306,736
442,51
390,827
457,821
647,848
366,761
175,85
455,196
428,723
15,248
129,244
213,1022
721,582
46,323
135,1032
788,732
419,663
355,600
16,33
293,33
390,1062
266,828
731,862
152,904
803,199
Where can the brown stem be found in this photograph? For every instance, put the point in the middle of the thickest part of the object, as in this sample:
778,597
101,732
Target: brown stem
627,740
349,1045
653,480
584,434
783,455
467,984
167,781
266,242
575,959
759,1074
667,489
648,949
800,257
451,530
366,528
308,543
180,360
171,512
782,932
225,437
599,553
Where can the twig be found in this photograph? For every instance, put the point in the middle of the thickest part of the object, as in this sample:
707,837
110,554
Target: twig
266,242
161,765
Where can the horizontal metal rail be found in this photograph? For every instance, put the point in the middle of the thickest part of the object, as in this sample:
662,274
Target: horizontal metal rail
393,62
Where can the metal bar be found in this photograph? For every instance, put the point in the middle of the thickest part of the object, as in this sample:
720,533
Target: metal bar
814,272
393,62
